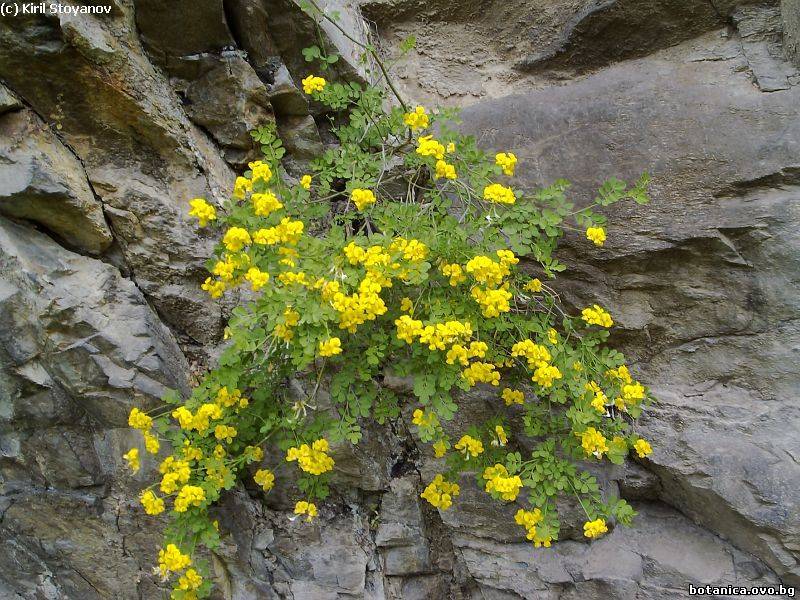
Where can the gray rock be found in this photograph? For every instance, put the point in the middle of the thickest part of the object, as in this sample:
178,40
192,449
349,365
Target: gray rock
701,302
140,152
8,101
790,12
658,558
42,181
230,101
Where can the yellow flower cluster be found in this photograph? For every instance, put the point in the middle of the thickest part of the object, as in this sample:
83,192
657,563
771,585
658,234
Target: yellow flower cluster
286,232
599,400
595,315
596,235
330,347
499,194
236,238
313,84
200,419
534,285
261,171
499,482
190,495
306,508
241,187
265,204
642,448
545,375
529,519
469,446
188,582
422,419
427,146
481,372
461,354
454,272
153,505
513,396
139,420
492,302
225,433
132,456
536,354
204,211
440,492
594,443
214,288
312,459
444,170
305,182
488,272
418,119
356,309
257,278
501,438
507,161
596,528
175,473
362,198
265,478
171,559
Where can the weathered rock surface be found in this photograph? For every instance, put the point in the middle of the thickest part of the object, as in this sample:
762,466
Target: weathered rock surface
41,180
700,280
109,125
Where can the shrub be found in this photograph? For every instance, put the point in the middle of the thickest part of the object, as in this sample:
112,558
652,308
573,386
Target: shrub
397,254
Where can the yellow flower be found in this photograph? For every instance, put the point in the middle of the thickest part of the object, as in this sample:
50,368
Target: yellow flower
529,519
534,285
172,559
507,161
481,372
444,170
312,459
265,204
454,272
225,433
593,529
139,420
596,235
595,315
236,238
427,146
257,278
418,119
469,446
552,336
203,211
362,198
153,505
536,354
513,396
261,171
545,375
190,495
406,305
132,456
440,492
241,187
499,194
594,443
214,288
492,302
502,437
254,453
499,482
305,182
191,580
313,84
422,419
487,271
440,448
151,443
642,448
330,347
265,478
451,147
306,508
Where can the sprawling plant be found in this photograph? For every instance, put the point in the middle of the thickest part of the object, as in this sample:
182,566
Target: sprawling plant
396,256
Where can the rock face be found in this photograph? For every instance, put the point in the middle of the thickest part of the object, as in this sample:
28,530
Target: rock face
109,125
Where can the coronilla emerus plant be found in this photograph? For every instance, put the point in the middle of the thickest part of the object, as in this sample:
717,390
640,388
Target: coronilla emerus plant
405,251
